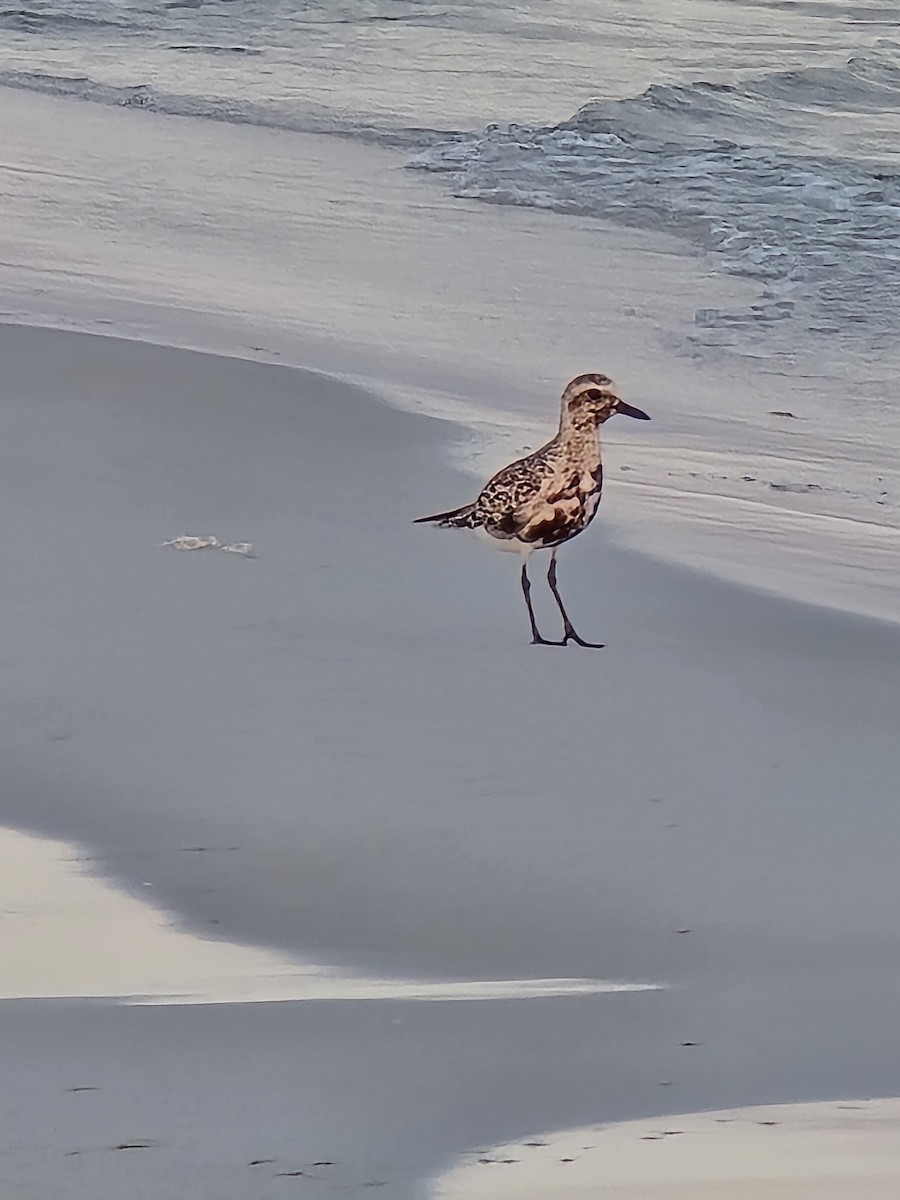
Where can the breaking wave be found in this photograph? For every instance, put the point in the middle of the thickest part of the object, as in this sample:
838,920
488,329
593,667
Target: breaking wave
297,117
791,178
29,21
718,165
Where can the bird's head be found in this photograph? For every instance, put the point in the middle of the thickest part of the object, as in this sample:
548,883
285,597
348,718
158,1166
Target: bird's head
591,400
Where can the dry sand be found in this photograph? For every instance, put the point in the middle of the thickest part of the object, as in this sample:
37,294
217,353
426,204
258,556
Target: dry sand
825,1151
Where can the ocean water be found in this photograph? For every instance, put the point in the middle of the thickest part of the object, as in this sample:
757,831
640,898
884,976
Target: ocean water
766,133
762,139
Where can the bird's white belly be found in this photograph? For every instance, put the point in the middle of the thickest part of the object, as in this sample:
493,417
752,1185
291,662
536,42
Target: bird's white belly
509,545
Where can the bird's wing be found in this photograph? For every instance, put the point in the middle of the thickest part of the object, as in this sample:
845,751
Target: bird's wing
523,495
500,505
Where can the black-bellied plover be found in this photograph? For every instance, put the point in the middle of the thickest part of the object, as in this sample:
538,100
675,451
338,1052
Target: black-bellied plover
549,497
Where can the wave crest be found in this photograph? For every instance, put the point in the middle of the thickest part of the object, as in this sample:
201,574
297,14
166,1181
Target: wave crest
710,163
27,20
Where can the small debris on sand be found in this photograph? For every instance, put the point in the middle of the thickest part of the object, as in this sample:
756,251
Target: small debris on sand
190,541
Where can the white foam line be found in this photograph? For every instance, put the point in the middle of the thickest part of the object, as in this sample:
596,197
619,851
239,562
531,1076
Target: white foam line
314,983
66,933
828,559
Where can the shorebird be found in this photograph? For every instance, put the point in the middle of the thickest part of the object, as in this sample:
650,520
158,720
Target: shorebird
547,498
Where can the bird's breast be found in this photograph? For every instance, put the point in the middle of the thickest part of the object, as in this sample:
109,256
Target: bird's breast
591,504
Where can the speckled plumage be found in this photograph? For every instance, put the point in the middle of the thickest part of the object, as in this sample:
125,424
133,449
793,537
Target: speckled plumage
547,498
541,500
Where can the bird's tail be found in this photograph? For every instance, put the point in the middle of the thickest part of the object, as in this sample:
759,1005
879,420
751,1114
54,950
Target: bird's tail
457,518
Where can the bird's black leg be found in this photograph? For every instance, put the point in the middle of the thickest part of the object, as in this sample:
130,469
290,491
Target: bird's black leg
569,635
536,639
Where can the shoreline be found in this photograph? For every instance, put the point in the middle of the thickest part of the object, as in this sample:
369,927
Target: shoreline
848,561
717,446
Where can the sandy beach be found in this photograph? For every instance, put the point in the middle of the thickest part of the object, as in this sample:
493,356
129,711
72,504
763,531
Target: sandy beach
343,751
316,878
827,1151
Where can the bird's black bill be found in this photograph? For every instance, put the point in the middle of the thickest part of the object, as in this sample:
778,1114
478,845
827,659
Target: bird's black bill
628,410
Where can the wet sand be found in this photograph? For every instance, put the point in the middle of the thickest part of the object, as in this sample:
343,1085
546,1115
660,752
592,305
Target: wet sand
61,919
411,790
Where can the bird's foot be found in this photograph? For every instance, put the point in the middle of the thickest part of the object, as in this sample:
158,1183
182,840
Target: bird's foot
537,640
571,636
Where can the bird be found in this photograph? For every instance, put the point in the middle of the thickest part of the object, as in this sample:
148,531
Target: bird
545,499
